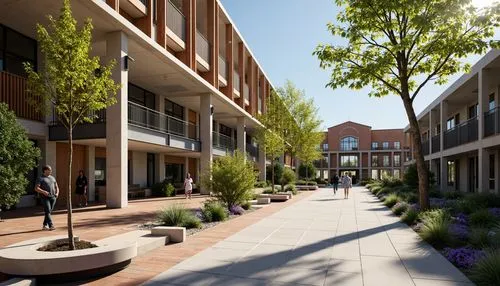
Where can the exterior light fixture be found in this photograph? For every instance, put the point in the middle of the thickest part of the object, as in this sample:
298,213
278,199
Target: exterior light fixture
126,59
212,110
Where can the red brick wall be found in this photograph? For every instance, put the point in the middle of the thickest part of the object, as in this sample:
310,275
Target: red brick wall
389,135
336,133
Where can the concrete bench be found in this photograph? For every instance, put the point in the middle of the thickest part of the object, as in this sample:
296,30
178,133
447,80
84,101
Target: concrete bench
263,201
276,197
174,233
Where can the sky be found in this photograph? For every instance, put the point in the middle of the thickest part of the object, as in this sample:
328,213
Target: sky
282,34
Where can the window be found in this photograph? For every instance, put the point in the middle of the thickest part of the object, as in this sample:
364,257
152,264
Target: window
386,161
325,147
348,144
173,109
141,96
397,160
492,172
374,145
397,145
150,170
451,173
174,173
397,174
348,161
100,171
325,174
450,124
15,50
438,129
375,174
223,129
155,13
374,161
473,111
491,103
385,145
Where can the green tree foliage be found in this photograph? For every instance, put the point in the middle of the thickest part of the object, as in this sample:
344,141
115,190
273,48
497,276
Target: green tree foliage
274,171
231,179
288,177
397,47
71,81
307,171
17,157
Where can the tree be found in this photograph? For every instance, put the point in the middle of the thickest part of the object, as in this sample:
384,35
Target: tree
17,157
278,172
75,84
305,170
397,47
231,179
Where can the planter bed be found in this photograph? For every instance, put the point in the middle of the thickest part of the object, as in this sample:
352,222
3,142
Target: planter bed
306,187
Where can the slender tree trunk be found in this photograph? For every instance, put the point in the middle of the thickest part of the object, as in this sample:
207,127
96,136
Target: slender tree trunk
70,162
423,174
272,175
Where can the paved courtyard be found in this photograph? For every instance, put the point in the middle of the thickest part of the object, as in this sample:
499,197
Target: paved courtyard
319,240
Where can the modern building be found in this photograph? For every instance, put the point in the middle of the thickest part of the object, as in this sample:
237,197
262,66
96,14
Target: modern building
461,130
190,91
362,152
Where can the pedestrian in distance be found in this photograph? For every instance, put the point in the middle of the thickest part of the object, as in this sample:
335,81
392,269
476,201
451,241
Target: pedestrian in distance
335,184
81,188
188,186
48,189
346,183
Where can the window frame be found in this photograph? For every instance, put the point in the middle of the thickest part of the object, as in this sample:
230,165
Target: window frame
352,143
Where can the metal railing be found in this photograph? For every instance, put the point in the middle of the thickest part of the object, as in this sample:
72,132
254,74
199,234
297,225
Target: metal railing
491,122
98,116
202,47
253,151
436,143
236,81
461,134
246,92
222,67
176,21
224,142
151,119
13,92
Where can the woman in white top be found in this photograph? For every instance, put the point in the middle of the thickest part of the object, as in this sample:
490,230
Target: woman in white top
347,183
188,186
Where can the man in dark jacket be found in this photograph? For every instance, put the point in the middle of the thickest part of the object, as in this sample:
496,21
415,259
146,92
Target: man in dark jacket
335,184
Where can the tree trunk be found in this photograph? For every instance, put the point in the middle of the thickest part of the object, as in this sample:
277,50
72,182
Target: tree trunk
423,174
69,206
272,175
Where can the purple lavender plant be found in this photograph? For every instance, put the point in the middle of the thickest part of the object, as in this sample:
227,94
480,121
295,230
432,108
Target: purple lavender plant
461,231
236,210
437,203
462,218
463,257
495,212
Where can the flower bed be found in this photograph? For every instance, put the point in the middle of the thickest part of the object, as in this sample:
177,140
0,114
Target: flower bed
464,227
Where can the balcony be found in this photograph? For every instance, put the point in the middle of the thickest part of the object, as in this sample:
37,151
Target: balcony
236,83
492,122
135,8
436,143
223,142
253,151
461,134
13,93
176,28
425,147
222,71
246,94
202,52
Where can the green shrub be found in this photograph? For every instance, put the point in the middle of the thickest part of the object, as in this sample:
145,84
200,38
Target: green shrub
246,205
366,181
487,271
278,173
435,229
311,183
163,189
291,188
300,182
384,191
174,215
482,218
485,200
465,205
409,197
231,179
260,184
391,182
400,208
453,195
410,216
307,171
410,177
288,176
479,238
391,200
191,221
435,193
214,211
375,189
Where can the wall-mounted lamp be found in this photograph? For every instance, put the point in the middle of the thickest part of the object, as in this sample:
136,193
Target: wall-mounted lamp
126,60
211,110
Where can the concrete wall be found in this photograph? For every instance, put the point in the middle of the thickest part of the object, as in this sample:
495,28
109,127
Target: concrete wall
139,168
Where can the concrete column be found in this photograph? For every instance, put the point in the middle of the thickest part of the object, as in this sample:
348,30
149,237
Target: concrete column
483,102
483,170
50,158
431,126
160,167
443,118
186,166
369,164
206,119
117,129
89,172
160,107
262,164
444,173
198,171
241,134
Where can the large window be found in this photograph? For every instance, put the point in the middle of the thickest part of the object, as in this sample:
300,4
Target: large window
374,145
386,161
141,96
348,161
223,129
100,171
174,173
173,109
385,145
397,145
348,144
473,111
397,174
491,103
451,173
325,147
15,50
397,160
374,160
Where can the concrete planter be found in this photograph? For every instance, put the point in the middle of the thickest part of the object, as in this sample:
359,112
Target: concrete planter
276,197
306,187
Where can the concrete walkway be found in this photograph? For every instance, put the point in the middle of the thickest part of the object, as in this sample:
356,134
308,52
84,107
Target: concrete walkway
321,240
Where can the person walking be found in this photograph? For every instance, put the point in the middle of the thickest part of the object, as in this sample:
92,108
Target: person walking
47,187
346,183
188,186
335,184
81,188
